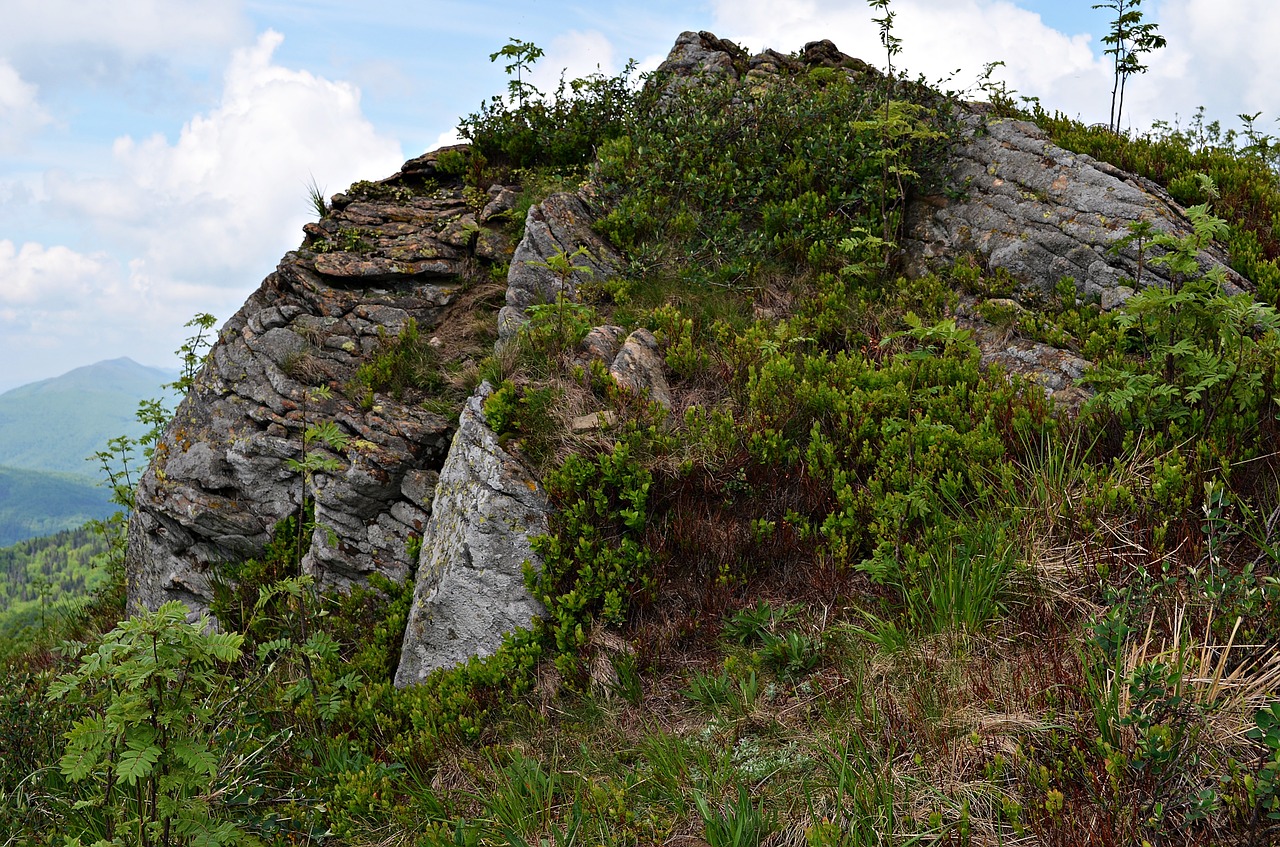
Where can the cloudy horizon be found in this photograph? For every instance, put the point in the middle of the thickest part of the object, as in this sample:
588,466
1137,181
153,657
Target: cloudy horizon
154,161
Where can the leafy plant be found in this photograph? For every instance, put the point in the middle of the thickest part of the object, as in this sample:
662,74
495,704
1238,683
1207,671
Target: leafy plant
1266,731
313,461
401,363
528,129
149,746
316,198
740,823
1130,37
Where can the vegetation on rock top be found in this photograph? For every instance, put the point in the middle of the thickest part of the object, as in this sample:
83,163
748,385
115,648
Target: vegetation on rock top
850,588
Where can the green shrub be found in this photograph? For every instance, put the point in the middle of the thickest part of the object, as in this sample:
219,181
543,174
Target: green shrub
405,362
148,746
527,129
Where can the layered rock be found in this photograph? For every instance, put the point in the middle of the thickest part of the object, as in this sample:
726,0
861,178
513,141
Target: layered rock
1025,205
558,254
399,251
470,590
221,480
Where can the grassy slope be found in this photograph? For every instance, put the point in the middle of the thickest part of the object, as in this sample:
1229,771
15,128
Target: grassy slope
861,594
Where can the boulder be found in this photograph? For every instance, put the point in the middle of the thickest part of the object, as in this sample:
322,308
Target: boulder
1021,203
470,587
557,228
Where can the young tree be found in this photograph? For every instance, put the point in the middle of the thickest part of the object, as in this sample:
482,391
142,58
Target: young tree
148,748
1129,38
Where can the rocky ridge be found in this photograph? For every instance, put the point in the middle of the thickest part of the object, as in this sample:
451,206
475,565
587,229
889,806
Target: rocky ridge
220,481
386,254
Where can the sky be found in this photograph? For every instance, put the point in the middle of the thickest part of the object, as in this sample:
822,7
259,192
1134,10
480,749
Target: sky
155,155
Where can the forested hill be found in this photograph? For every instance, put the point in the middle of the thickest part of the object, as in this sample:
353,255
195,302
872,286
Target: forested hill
42,576
55,424
49,431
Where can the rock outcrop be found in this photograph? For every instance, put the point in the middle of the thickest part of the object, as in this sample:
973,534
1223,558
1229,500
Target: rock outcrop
220,480
1042,213
470,587
400,251
558,254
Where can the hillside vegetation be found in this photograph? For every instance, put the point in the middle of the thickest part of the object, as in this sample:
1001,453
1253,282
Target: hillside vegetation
34,504
56,424
49,433
852,589
48,577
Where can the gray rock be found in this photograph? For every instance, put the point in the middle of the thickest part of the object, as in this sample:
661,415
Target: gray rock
470,587
219,481
558,226
639,368
1042,213
601,344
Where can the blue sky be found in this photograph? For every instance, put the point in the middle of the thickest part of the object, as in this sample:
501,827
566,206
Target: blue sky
154,154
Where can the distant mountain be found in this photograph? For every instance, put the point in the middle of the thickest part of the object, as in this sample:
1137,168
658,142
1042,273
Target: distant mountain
55,424
36,503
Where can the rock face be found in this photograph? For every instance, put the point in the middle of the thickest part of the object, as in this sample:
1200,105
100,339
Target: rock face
1042,213
470,587
391,253
1016,202
557,231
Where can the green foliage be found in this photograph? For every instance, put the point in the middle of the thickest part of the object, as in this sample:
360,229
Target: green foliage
1206,363
155,694
737,824
529,129
402,363
1266,731
1246,182
316,199
47,580
522,414
314,460
729,191
594,560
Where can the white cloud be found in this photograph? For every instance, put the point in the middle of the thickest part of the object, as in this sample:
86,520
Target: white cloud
194,222
133,28
576,54
938,38
1220,55
221,203
56,276
21,114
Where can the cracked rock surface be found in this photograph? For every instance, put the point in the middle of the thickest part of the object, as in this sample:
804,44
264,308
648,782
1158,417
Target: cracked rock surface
470,587
220,479
559,226
1042,213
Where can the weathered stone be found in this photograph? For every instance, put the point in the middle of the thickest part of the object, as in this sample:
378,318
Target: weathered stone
470,581
698,54
590,423
1042,213
559,226
220,480
639,368
601,344
502,198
